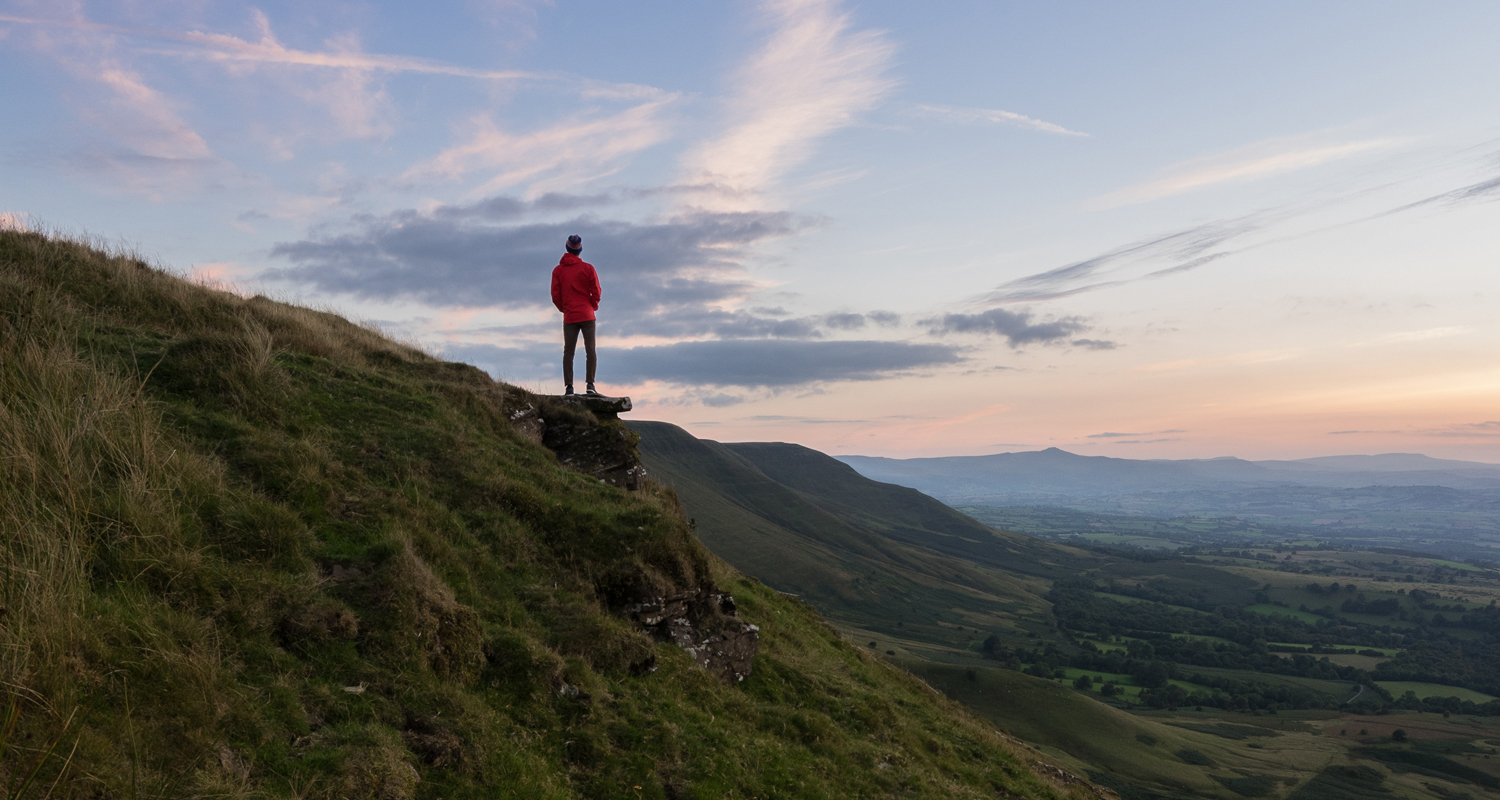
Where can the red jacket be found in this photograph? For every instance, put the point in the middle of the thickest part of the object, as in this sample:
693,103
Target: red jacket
575,289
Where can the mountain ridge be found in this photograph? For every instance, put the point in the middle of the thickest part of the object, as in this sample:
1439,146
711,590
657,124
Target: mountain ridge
1057,471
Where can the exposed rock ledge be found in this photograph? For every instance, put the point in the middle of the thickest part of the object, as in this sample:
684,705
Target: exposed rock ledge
603,407
585,433
588,437
706,625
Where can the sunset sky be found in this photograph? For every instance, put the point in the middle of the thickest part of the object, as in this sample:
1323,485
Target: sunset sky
1148,230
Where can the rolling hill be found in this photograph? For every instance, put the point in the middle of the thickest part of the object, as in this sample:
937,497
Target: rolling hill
869,555
253,550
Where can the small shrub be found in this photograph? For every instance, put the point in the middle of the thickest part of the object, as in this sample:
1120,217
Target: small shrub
1195,758
1249,785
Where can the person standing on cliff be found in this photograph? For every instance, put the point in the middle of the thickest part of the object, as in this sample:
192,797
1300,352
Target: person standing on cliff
576,293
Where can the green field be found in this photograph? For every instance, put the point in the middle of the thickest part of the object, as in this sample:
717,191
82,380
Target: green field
1336,689
1194,637
1144,542
1389,652
1456,565
1425,690
1368,663
1266,608
1125,598
1140,749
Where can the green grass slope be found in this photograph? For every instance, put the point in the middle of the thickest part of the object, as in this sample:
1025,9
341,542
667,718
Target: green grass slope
907,515
1145,753
849,564
253,550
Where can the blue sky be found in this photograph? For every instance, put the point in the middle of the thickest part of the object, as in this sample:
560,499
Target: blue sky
1151,229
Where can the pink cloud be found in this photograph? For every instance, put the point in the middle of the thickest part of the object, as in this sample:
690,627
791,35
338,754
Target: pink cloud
813,76
569,153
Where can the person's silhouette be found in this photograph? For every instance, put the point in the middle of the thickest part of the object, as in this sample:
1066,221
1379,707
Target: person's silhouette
576,293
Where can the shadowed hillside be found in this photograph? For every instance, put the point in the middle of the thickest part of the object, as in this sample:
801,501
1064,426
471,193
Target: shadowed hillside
907,515
254,550
872,556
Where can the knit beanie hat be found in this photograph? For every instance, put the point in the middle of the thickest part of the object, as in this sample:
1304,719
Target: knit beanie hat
575,244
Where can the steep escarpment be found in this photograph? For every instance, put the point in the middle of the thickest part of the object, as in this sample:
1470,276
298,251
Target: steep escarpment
254,550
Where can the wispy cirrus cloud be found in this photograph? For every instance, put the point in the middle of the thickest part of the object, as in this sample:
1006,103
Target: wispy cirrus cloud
814,75
993,116
1487,430
1481,191
1157,257
225,48
559,156
140,142
1467,430
341,84
140,138
1252,162
516,20
144,139
147,120
1117,435
1200,245
340,80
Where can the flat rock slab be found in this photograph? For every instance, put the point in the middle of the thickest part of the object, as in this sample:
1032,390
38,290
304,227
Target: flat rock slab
603,407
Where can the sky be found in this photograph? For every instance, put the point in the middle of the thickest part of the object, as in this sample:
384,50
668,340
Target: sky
1144,230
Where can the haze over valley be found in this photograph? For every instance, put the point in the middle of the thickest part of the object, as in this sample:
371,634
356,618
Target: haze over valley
1399,500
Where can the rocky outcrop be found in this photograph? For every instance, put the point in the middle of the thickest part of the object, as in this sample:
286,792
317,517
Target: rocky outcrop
705,624
603,407
605,450
583,440
586,435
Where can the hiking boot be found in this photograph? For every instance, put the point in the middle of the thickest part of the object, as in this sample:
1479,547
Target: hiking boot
592,392
568,390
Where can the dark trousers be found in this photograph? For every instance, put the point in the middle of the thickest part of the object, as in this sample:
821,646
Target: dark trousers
570,344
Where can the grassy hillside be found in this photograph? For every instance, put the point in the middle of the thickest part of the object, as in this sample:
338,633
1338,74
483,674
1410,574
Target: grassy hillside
902,566
1140,752
254,550
907,515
